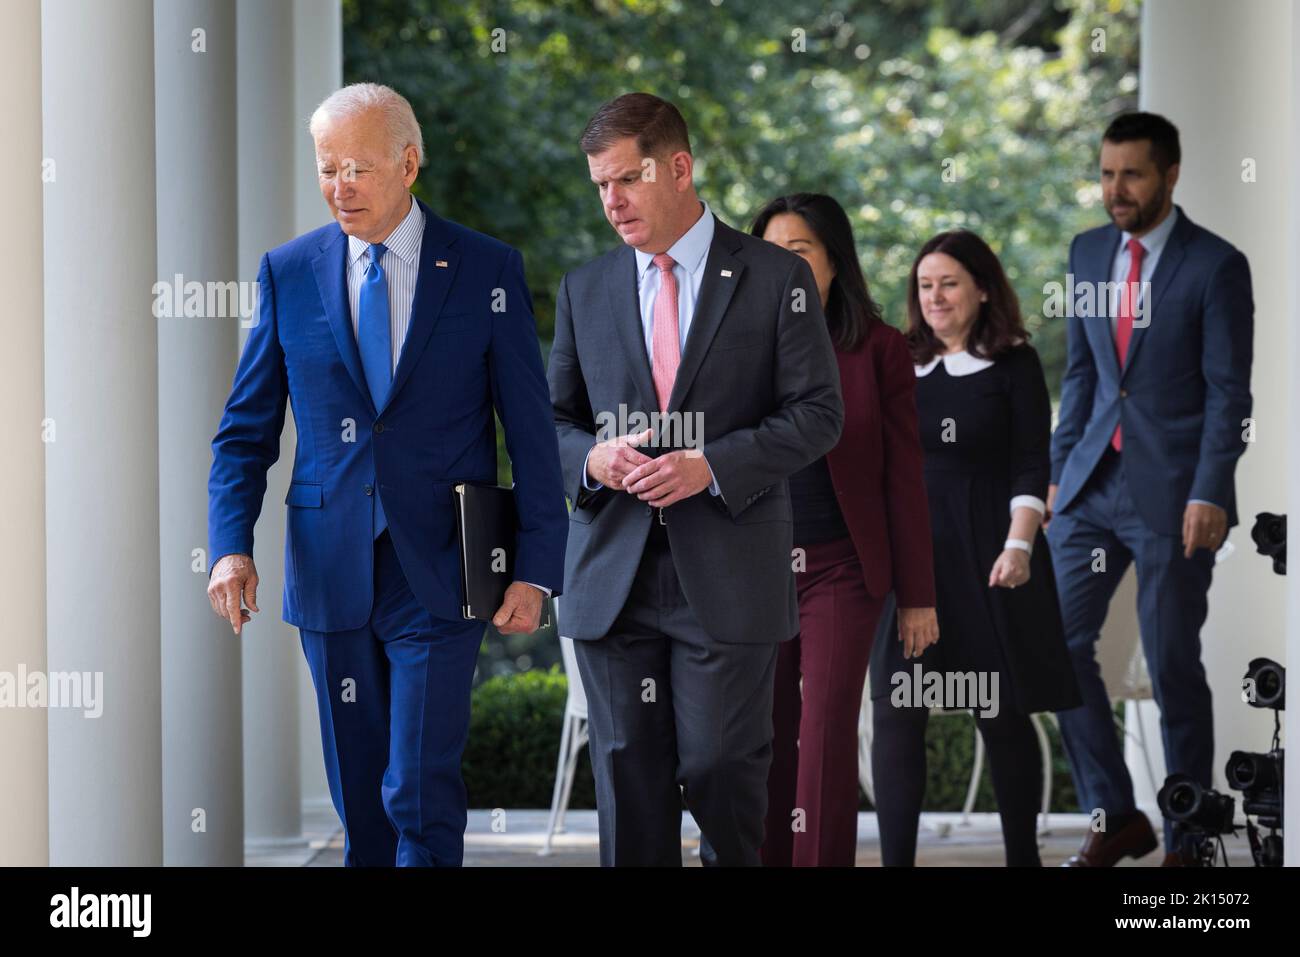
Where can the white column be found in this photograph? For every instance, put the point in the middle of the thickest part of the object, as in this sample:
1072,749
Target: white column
267,123
1223,74
1292,786
101,392
318,72
203,801
24,797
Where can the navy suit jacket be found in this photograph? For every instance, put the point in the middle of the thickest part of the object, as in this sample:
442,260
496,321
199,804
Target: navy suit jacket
1183,395
471,347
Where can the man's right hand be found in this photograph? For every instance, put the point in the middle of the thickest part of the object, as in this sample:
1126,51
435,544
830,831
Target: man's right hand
233,578
1051,504
610,461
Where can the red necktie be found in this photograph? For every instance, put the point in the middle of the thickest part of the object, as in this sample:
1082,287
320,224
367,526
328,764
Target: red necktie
1124,325
665,346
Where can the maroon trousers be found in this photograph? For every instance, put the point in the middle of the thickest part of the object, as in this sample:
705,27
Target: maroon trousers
812,787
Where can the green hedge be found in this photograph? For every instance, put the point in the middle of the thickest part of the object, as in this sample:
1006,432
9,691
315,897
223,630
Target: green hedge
514,742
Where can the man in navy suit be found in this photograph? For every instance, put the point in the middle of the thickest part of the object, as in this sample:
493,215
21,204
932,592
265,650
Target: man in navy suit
395,334
1155,407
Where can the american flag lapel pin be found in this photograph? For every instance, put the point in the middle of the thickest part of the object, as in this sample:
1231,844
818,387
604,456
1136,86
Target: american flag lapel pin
726,274
440,263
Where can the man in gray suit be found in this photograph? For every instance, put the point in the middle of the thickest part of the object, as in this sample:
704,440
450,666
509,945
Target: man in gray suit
678,574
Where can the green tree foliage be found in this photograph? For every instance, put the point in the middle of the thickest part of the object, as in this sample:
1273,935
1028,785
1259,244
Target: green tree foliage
871,101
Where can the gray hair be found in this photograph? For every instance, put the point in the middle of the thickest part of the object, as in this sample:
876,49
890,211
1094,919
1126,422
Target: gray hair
357,98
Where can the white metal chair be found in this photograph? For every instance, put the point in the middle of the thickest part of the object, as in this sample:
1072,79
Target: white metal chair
573,737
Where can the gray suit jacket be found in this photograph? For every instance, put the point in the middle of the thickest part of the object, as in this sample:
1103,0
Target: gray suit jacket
759,369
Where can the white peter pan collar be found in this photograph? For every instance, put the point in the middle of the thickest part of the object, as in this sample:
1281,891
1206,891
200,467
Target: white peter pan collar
956,363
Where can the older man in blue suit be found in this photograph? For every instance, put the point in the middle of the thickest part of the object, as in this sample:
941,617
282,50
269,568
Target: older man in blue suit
395,334
1155,407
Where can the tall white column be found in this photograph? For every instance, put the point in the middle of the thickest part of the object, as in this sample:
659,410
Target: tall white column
101,396
1223,73
268,123
1292,786
24,797
318,71
203,800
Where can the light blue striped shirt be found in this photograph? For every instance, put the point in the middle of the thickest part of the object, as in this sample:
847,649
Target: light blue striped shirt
401,265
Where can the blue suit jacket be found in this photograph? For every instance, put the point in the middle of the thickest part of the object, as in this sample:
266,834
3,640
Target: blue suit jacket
1185,389
471,347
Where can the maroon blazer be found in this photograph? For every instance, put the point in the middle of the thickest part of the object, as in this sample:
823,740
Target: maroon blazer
877,469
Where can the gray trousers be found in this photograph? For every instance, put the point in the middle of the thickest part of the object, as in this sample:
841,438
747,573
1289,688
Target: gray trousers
669,709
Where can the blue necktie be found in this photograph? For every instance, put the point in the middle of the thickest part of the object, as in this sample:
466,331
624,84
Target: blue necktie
375,339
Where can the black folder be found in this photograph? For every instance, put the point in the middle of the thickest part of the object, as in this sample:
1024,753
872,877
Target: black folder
487,523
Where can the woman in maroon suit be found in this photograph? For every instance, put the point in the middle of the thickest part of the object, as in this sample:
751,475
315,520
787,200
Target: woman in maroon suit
861,527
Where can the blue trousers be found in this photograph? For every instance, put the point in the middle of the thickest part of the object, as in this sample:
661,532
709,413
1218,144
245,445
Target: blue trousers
1171,610
394,702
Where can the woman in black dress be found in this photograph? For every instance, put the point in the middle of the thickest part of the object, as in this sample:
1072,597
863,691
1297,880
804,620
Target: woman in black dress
985,421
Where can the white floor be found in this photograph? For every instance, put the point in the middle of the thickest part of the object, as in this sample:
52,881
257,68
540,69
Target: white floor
514,838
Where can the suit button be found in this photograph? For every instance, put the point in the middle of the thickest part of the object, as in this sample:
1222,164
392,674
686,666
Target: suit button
1123,393
370,490
379,426
648,510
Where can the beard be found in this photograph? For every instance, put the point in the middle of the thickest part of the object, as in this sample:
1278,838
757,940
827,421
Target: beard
1144,214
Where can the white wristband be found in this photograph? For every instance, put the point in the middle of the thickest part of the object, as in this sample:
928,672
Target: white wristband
1019,543
1029,501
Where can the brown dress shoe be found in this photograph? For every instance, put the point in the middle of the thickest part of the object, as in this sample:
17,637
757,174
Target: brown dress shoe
1105,848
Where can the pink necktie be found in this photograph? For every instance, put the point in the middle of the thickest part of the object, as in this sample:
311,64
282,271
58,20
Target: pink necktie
1124,325
664,345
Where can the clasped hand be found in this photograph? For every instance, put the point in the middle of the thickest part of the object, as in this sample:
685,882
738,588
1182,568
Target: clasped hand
617,463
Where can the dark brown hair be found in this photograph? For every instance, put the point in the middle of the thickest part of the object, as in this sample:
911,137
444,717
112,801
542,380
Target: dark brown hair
998,326
657,125
1158,131
850,310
